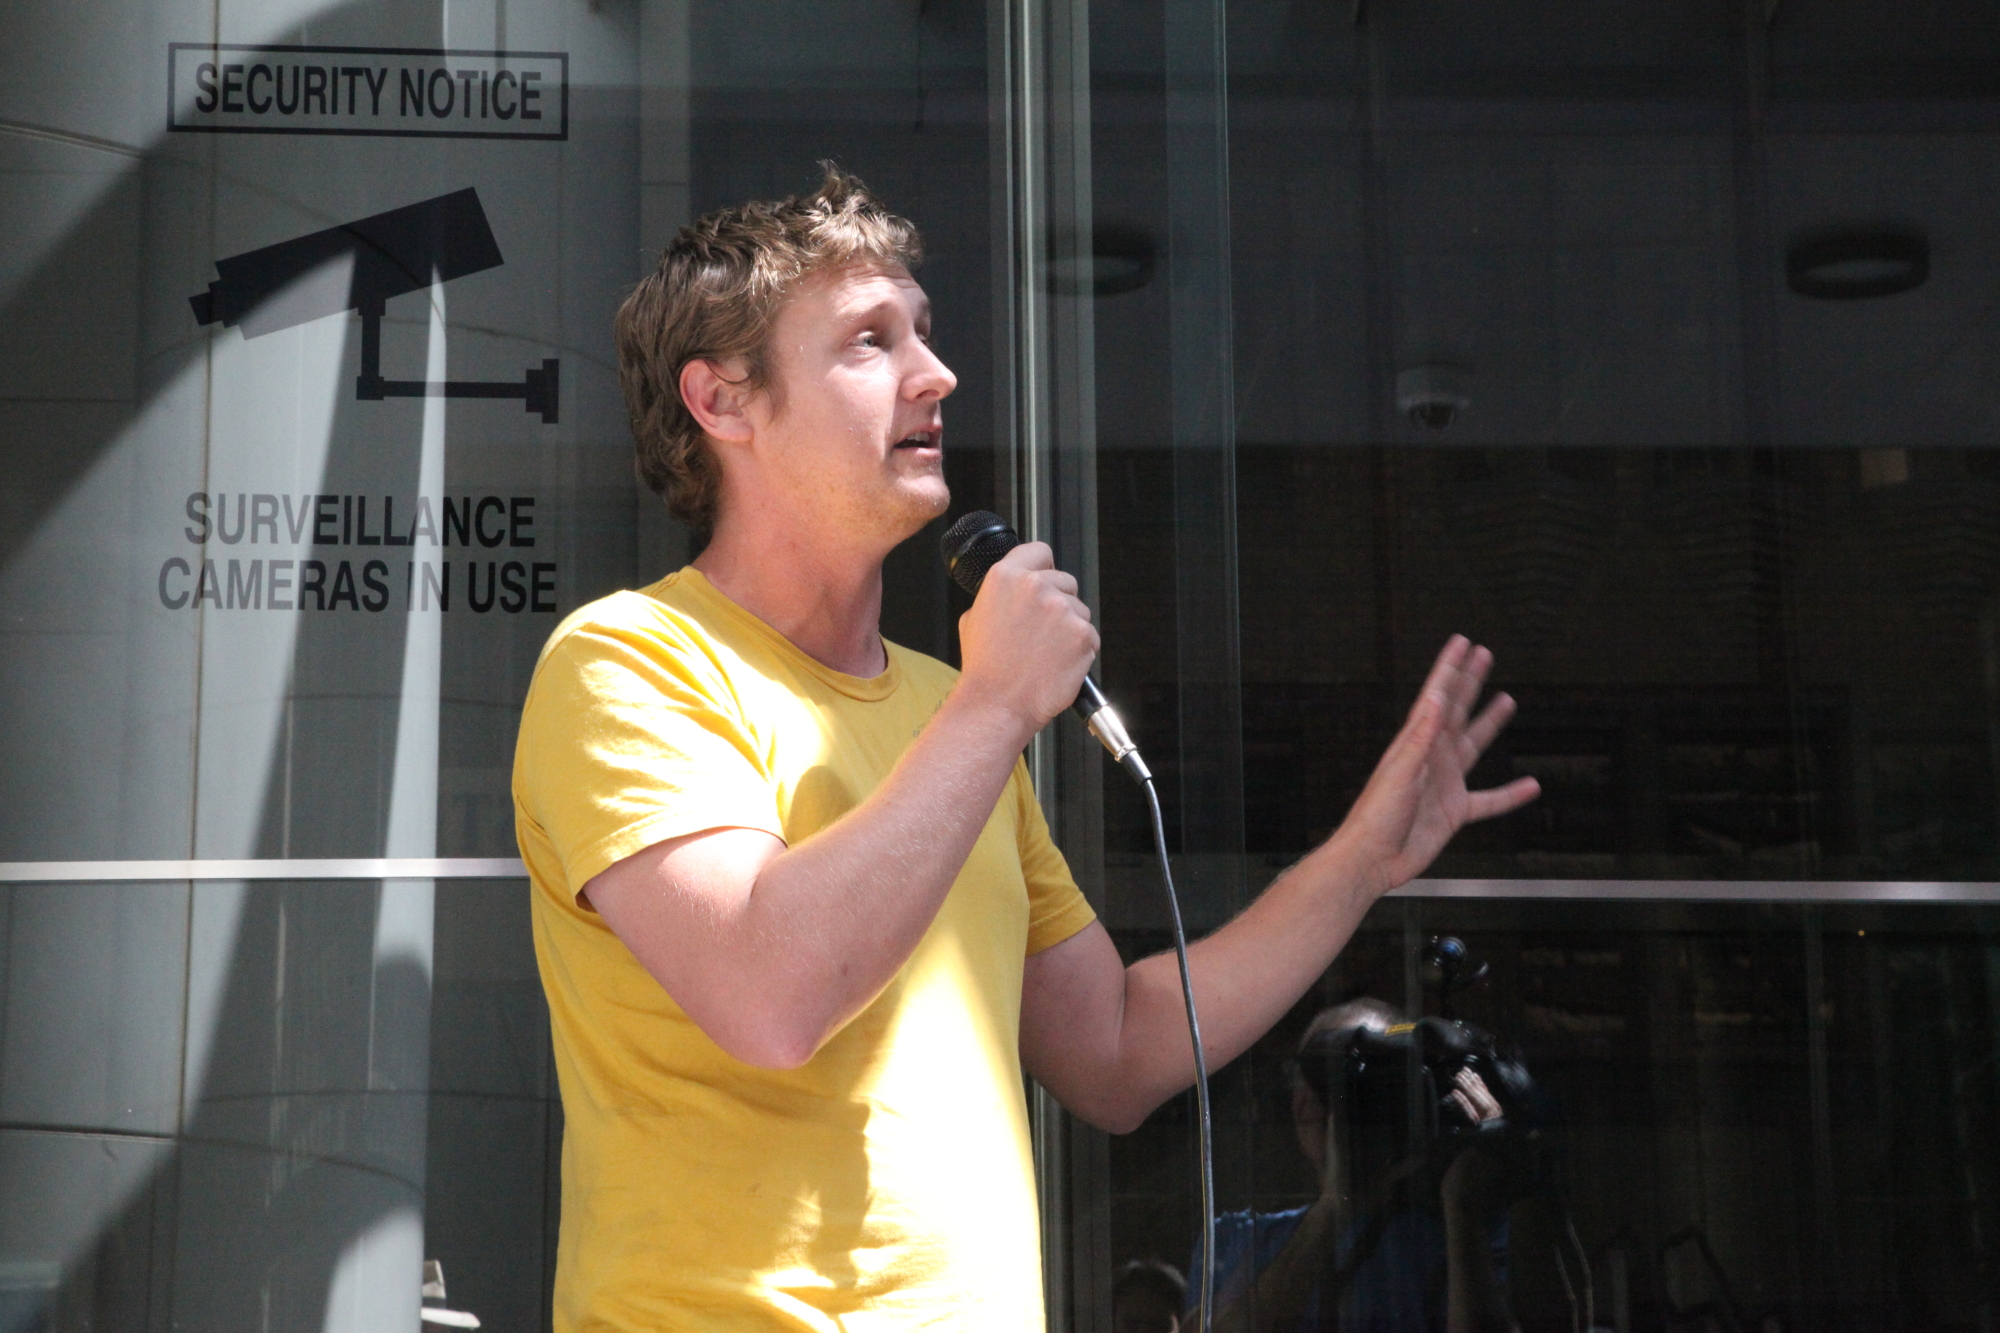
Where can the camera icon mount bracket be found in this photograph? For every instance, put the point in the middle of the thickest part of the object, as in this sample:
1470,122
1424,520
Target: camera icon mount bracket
360,266
540,389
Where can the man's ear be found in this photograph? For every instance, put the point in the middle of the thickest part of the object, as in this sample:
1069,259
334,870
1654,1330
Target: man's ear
718,397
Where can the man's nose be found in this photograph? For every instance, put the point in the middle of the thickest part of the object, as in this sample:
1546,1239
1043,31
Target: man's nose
930,377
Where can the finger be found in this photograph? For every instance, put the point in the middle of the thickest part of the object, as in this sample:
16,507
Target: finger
1499,800
1061,581
1445,670
1410,751
1481,1095
1478,662
1030,555
1436,692
1467,682
1487,725
1077,607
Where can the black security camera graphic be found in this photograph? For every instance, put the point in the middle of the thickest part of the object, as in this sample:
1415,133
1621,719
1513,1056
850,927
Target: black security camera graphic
360,266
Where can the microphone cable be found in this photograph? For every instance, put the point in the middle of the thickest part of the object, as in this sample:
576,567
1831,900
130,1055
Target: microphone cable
1206,1140
971,546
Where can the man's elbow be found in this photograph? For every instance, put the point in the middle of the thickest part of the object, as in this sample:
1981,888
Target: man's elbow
778,1054
767,1039
1120,1120
755,1019
1115,1111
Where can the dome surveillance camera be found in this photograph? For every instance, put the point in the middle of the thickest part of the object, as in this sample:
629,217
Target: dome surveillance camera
1432,396
1433,413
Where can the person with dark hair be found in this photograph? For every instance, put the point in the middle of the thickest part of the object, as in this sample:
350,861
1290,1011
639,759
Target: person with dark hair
1408,1232
797,913
1146,1297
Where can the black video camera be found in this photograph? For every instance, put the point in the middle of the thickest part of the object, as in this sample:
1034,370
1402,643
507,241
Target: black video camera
1390,1091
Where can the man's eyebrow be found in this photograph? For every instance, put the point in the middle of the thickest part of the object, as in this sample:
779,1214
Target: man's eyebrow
861,314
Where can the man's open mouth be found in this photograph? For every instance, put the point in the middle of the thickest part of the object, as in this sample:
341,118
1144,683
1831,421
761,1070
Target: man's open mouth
923,439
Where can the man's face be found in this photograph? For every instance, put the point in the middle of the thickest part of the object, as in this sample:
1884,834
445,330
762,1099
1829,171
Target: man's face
852,422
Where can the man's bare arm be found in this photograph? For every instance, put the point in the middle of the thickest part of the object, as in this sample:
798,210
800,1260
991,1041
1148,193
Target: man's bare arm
771,950
1111,1042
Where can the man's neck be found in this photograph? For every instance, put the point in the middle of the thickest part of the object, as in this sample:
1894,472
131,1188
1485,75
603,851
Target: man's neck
826,600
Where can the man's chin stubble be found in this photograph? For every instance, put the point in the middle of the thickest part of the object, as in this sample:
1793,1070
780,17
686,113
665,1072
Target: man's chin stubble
922,506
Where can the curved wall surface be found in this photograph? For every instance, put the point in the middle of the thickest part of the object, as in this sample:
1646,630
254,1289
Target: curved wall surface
260,607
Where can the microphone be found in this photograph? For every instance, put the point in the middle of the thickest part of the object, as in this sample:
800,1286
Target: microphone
974,545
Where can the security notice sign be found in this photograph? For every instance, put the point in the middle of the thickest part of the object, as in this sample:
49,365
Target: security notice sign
362,90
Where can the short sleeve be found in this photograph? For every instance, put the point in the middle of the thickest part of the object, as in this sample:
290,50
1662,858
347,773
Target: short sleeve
1057,909
629,739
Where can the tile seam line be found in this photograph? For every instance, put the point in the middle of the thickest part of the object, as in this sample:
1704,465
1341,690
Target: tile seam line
29,130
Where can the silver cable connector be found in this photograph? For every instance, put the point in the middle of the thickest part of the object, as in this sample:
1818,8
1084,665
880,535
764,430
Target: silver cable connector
1110,732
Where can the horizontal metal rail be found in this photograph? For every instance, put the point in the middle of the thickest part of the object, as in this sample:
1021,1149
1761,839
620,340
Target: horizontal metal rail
1612,890
380,867
1711,890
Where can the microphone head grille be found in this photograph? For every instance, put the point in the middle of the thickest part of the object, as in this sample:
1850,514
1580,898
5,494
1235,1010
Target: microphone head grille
974,545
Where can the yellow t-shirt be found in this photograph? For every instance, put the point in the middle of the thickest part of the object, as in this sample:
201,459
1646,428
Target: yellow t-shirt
885,1184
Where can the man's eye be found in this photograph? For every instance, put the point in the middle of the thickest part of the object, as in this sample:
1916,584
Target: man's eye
869,340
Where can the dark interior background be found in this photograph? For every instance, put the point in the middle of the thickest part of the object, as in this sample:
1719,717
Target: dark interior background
1735,551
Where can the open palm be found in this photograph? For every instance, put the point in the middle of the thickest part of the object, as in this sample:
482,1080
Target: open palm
1417,798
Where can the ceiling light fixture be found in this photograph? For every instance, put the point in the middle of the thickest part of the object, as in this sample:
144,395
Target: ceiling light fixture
1855,263
1122,259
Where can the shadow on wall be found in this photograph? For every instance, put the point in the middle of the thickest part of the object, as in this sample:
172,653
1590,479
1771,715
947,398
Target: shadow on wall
240,1137
353,1114
308,1137
239,1102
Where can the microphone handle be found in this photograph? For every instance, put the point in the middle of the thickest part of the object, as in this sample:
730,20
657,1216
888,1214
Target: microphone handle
1103,722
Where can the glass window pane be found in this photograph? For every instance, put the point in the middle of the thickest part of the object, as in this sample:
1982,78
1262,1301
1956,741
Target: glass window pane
1643,344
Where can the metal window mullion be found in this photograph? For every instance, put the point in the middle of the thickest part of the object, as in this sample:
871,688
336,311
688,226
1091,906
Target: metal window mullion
1045,483
1019,350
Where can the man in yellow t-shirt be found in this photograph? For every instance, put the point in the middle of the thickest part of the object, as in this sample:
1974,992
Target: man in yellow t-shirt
797,913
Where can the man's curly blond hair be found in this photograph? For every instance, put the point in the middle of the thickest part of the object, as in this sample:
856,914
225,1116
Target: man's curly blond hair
714,297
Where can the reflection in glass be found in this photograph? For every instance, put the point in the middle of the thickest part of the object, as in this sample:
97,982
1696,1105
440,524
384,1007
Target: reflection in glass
1515,353
1744,1113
